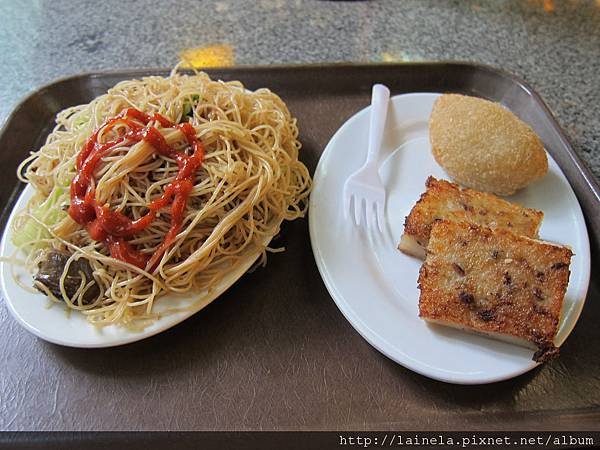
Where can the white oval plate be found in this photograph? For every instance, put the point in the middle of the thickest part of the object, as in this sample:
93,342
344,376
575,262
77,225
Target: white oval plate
375,285
53,323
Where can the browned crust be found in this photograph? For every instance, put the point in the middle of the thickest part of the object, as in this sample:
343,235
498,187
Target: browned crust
493,281
497,213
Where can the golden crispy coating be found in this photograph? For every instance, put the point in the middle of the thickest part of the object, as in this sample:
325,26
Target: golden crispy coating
447,201
485,146
494,282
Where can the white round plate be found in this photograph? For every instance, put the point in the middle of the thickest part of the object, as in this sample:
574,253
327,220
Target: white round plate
375,285
52,322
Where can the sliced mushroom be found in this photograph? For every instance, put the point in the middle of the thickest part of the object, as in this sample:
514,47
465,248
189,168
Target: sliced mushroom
51,270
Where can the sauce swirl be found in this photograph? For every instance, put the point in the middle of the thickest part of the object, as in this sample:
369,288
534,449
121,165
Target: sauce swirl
113,227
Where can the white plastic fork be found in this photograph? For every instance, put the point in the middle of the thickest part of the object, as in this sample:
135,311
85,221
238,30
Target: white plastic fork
364,186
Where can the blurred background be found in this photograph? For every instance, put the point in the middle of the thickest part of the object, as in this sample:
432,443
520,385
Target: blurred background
554,45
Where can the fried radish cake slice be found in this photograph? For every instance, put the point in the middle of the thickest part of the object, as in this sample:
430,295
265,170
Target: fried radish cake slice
444,200
495,283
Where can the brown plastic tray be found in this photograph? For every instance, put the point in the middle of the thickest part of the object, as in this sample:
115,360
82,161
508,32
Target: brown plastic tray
274,352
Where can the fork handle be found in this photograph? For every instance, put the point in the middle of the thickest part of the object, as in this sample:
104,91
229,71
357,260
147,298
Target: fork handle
379,105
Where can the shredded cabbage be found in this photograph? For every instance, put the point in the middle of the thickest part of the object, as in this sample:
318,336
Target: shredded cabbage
49,212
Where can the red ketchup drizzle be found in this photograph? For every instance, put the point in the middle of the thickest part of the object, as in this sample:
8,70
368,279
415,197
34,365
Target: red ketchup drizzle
112,227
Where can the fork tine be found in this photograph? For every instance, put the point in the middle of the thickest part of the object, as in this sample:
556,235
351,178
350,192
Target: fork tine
358,206
346,203
369,214
351,206
379,214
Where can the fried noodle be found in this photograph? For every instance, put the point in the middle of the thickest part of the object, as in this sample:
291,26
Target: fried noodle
249,182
